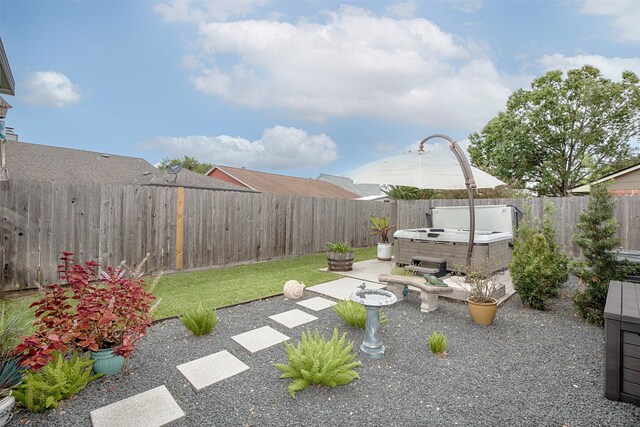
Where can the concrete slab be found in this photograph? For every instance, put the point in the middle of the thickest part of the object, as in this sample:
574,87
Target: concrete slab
316,303
342,288
210,369
152,408
259,339
367,270
293,318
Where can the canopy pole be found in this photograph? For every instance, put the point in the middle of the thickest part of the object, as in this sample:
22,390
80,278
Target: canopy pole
469,182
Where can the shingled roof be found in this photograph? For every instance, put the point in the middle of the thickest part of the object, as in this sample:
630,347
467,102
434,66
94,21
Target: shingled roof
48,163
280,184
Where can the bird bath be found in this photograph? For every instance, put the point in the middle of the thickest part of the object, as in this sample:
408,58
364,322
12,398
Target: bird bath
373,300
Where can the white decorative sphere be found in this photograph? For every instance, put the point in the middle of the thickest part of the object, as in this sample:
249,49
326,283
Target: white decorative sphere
293,289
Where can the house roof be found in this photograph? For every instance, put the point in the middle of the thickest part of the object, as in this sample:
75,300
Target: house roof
347,184
48,163
7,84
586,188
284,185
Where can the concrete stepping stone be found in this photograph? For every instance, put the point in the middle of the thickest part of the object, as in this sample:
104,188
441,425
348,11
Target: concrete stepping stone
210,369
259,339
152,408
342,288
317,303
293,318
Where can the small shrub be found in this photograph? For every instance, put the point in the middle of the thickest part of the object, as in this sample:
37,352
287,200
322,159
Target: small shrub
381,227
339,247
318,361
438,343
200,321
401,271
538,267
355,314
59,379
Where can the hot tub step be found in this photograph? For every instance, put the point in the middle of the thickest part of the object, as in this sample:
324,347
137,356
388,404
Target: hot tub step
422,270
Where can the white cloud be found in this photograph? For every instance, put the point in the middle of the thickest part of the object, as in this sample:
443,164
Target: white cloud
402,9
279,147
353,64
50,89
200,11
611,68
624,17
467,6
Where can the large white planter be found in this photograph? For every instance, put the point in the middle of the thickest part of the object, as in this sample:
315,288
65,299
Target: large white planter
384,251
6,405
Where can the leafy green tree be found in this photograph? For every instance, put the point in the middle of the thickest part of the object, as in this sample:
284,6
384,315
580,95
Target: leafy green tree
187,162
562,132
597,239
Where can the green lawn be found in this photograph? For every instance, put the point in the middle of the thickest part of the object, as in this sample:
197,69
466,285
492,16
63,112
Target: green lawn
225,286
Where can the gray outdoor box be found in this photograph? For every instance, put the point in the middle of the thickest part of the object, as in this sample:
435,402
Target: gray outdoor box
622,342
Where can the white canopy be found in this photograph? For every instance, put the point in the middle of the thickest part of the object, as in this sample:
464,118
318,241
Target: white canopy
422,169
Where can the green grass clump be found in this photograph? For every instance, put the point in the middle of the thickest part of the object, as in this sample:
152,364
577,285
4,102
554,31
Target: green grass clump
59,379
438,343
200,321
401,271
355,314
339,247
318,361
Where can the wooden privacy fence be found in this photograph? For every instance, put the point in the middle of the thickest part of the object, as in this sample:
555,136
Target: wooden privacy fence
194,228
180,228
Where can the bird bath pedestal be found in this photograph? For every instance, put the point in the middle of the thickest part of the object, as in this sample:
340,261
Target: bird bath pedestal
373,300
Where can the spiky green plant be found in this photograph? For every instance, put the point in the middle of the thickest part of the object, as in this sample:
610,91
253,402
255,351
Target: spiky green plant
355,314
200,321
438,343
339,247
59,379
318,361
401,271
10,375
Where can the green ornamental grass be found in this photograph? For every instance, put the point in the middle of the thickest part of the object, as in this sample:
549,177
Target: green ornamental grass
200,321
318,361
355,314
438,343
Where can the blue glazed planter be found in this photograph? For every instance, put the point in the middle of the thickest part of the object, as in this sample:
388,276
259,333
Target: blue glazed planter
106,362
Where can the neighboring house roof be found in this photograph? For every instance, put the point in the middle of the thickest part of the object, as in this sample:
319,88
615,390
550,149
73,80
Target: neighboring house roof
7,84
280,184
624,179
48,163
347,184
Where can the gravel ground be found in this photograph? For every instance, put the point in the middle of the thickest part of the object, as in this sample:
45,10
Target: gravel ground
529,368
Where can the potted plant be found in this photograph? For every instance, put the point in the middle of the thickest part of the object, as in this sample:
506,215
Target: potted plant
112,312
339,257
482,287
12,328
382,227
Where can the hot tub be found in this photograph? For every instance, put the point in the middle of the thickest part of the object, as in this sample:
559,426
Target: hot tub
490,248
447,237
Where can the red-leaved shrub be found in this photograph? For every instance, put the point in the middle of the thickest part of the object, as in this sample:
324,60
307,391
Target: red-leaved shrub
113,310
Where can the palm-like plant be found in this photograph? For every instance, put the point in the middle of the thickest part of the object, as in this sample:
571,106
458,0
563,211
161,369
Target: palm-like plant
381,226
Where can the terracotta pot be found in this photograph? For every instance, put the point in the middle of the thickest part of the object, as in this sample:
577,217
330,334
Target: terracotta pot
482,313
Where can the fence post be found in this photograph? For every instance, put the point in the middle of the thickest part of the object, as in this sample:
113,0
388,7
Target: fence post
180,228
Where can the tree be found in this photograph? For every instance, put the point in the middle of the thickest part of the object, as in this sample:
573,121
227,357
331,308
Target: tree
187,162
401,192
562,132
597,239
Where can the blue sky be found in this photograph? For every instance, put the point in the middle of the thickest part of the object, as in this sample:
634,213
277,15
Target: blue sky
292,87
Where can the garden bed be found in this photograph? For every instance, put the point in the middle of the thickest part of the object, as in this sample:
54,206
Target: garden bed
529,368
